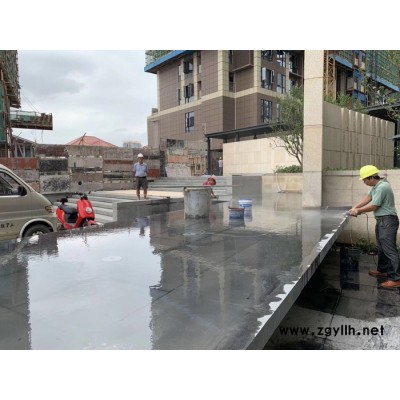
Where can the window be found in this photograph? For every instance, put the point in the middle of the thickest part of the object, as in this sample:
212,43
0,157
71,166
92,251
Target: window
199,90
278,112
267,78
189,122
293,64
281,84
266,111
8,186
179,72
231,82
188,66
281,58
179,97
267,54
363,60
189,93
19,152
292,83
230,56
199,62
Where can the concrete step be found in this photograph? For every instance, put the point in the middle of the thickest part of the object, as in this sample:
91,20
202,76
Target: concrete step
100,208
103,210
106,210
186,180
176,184
111,197
104,219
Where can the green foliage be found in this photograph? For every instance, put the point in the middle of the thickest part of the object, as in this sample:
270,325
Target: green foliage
383,95
291,109
367,246
346,101
289,169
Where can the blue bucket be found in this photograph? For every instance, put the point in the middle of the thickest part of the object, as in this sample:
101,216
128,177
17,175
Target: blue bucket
236,212
246,203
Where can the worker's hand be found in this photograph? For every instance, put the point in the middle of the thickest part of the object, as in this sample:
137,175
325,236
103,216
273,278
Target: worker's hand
353,212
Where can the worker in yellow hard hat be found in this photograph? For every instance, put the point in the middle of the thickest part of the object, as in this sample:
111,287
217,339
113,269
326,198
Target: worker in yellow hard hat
380,200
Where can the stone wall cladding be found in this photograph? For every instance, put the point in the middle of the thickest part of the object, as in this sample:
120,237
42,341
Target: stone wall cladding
61,169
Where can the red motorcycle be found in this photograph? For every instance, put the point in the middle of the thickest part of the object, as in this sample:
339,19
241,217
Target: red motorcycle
81,216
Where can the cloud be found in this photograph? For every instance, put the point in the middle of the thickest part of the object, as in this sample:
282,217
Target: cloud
101,93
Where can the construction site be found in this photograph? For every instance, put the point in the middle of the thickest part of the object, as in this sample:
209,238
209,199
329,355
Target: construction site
360,80
169,278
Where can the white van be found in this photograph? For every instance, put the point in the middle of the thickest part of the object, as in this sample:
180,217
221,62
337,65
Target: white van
23,211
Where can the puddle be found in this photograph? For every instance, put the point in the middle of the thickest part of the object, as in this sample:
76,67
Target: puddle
161,282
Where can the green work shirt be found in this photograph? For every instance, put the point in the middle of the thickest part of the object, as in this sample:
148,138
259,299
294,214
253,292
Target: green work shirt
383,197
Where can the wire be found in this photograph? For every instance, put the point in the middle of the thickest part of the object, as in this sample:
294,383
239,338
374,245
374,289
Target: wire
277,183
30,103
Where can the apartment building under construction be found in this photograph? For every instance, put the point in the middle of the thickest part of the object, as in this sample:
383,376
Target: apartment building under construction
237,91
10,114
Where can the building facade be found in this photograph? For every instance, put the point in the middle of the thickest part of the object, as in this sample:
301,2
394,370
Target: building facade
208,91
132,144
203,92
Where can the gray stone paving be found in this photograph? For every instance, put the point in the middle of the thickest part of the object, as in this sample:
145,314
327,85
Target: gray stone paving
164,281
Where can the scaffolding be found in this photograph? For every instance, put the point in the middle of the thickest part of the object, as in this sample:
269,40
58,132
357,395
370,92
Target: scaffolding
330,73
359,66
9,76
10,97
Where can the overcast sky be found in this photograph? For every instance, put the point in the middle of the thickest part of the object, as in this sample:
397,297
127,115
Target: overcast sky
106,93
101,93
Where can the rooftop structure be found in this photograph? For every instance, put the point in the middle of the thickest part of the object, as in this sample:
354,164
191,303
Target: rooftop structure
87,140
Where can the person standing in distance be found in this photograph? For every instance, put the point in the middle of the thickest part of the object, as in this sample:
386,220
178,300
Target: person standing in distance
221,166
380,200
140,170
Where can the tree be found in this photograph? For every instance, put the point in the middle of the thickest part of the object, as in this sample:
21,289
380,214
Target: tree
290,133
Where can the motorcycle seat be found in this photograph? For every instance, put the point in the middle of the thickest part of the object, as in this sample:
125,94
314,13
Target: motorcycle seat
69,209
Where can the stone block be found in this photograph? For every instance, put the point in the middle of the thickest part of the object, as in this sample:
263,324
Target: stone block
52,166
89,163
87,177
86,186
55,183
117,185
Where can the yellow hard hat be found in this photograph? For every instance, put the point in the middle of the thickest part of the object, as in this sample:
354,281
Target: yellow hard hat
367,171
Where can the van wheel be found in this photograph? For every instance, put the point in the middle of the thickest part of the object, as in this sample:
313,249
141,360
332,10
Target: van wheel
36,230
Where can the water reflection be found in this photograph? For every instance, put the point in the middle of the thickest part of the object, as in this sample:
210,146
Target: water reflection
160,282
142,223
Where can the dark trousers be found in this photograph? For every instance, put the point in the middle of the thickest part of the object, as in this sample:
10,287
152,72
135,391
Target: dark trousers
388,256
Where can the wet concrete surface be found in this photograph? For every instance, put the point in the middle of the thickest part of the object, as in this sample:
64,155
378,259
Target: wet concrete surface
342,309
163,281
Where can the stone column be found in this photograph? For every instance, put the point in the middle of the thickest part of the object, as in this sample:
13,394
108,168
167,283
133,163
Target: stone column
313,127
